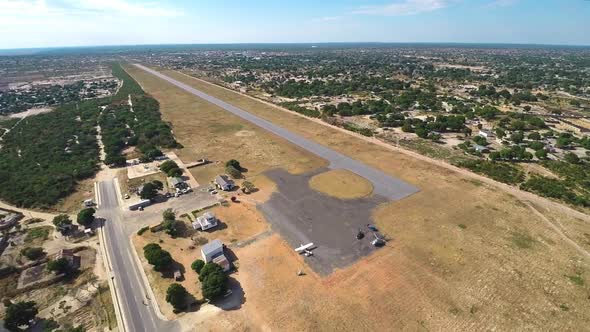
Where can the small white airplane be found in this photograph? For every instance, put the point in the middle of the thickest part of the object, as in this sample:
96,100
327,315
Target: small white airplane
304,248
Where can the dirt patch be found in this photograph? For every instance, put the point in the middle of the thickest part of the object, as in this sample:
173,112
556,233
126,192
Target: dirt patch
245,133
73,203
341,184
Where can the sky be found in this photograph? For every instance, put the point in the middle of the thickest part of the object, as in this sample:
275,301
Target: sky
56,23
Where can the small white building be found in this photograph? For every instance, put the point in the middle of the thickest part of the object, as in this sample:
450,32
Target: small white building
224,182
486,133
211,250
205,222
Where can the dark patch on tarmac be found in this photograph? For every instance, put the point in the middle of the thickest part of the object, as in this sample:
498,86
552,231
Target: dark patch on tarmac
302,215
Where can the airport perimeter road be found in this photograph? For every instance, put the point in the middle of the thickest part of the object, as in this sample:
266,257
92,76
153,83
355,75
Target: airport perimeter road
138,311
383,184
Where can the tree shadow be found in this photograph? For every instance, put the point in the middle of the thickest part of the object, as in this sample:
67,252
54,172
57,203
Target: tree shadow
235,297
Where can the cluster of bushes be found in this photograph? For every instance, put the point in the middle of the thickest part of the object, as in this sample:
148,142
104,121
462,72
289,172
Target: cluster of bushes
170,224
514,152
213,279
33,253
43,157
300,89
156,256
312,113
142,128
501,172
555,188
361,130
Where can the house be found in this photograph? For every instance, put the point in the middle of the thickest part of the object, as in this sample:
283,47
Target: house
212,250
224,182
480,148
205,222
486,133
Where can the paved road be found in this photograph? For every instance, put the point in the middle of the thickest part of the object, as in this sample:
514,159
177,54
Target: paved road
383,184
137,310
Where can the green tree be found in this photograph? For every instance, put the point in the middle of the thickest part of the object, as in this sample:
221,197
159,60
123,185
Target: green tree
197,265
168,165
157,256
149,191
58,266
32,253
86,217
213,281
176,296
174,172
534,136
61,221
233,163
20,314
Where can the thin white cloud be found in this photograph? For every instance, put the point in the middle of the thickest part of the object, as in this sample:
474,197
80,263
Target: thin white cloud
124,8
404,7
328,19
23,9
501,3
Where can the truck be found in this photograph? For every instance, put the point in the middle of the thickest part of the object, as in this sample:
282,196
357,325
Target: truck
141,204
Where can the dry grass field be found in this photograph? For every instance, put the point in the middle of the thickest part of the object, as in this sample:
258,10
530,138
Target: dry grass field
462,255
341,183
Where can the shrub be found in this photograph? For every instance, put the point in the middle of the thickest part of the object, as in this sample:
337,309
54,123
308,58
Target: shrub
143,230
32,253
197,265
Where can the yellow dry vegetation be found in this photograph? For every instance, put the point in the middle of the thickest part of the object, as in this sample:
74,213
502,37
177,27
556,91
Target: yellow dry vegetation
341,183
462,255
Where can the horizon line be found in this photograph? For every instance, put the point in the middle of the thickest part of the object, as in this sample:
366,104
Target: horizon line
291,43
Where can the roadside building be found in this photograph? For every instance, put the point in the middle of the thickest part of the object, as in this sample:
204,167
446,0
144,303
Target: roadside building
224,182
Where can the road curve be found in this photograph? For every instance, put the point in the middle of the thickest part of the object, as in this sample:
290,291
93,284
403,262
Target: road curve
383,184
138,312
